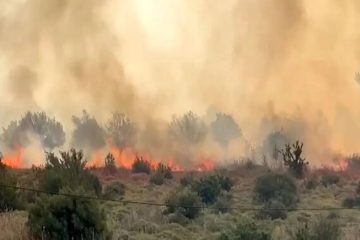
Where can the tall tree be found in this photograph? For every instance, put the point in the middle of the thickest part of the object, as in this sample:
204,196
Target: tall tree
121,130
88,133
49,131
224,129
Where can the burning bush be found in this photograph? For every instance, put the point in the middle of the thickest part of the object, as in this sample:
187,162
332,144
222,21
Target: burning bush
50,131
140,165
8,196
184,202
68,170
292,158
59,217
110,166
276,186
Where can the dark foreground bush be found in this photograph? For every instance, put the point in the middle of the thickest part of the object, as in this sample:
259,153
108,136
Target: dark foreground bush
68,171
209,188
140,165
184,202
321,229
157,178
244,231
59,217
276,186
115,190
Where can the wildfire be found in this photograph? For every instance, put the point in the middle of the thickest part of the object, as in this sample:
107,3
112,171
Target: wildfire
14,158
205,164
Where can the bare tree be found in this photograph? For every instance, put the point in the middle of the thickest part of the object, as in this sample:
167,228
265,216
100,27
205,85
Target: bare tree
121,130
292,158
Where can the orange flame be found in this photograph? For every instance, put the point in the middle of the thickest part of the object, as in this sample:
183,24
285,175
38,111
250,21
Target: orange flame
14,158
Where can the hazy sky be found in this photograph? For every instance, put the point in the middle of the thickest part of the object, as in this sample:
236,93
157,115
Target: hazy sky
265,62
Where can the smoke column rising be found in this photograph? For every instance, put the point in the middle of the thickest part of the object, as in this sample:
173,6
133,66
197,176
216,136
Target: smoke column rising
272,64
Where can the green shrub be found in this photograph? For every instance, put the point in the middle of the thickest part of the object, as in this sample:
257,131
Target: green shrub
115,190
273,209
244,231
157,178
209,188
110,166
69,171
329,178
184,202
276,186
60,217
140,165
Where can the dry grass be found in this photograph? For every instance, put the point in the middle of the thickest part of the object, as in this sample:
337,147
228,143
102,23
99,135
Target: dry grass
13,226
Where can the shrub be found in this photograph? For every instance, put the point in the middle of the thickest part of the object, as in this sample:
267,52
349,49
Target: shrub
187,180
329,178
184,202
293,160
223,204
8,196
273,209
164,170
59,217
110,166
161,173
358,189
311,183
276,186
321,229
349,202
140,165
115,190
244,231
210,187
157,178
68,170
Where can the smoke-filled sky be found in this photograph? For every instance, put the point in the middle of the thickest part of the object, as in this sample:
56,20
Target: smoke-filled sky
272,64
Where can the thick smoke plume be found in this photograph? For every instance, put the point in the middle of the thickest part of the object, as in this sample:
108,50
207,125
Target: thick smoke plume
274,65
